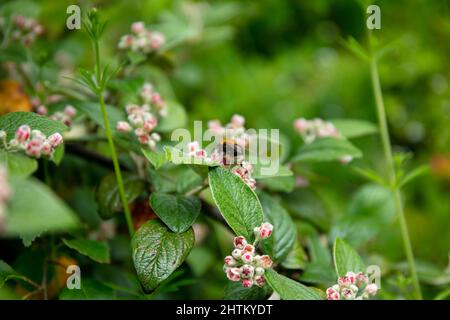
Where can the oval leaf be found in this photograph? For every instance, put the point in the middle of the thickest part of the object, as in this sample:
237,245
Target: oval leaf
351,128
157,252
18,164
289,289
327,149
96,250
177,212
176,118
346,258
237,203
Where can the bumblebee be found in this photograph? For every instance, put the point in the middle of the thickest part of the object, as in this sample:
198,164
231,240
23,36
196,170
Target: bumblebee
230,151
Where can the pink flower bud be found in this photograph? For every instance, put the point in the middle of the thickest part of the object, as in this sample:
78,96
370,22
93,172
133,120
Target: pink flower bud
239,242
38,135
229,261
249,248
247,271
46,149
301,125
143,138
266,262
192,147
247,257
23,133
131,108
42,110
361,279
260,280
351,276
157,39
264,231
123,126
233,274
200,154
237,121
348,294
150,123
55,139
371,289
33,148
237,254
137,27
247,283
155,136
70,111
334,296
156,98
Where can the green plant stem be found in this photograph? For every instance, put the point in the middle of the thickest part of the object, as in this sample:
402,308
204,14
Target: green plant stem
384,133
112,148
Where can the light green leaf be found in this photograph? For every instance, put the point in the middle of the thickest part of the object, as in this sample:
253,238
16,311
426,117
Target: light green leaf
58,154
10,122
296,258
177,212
157,252
237,203
35,209
18,164
108,196
176,118
284,231
96,250
351,128
281,184
156,158
346,258
289,289
260,172
326,149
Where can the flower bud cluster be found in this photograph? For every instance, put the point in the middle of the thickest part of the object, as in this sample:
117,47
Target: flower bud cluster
310,130
143,122
141,39
244,264
353,286
153,98
33,142
24,29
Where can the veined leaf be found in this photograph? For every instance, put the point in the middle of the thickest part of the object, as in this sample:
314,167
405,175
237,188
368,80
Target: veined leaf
96,250
157,252
238,203
346,258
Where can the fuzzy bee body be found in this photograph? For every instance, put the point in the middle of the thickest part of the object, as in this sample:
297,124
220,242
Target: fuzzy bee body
232,153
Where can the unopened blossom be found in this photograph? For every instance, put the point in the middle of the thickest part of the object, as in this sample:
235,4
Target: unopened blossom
33,142
123,126
142,39
25,29
264,230
352,286
66,116
245,265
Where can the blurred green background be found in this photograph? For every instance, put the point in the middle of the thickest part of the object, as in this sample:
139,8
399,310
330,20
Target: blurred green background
274,61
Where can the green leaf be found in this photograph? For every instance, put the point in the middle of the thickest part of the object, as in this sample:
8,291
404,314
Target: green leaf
259,172
176,118
281,184
90,290
10,122
96,250
417,172
351,128
35,209
284,231
346,258
92,110
58,154
177,212
235,291
326,149
156,158
18,164
289,289
237,203
8,273
157,252
108,196
296,258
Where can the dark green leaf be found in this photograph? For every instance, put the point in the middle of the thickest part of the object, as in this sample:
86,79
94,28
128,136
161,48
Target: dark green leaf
157,252
235,291
289,289
177,212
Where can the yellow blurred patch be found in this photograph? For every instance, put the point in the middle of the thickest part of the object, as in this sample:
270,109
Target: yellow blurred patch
12,97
